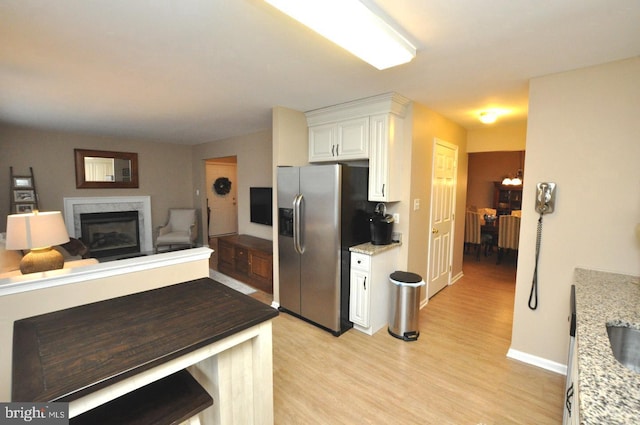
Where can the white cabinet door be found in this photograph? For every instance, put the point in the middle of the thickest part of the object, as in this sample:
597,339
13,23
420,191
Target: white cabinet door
322,143
378,171
360,298
353,139
385,160
339,141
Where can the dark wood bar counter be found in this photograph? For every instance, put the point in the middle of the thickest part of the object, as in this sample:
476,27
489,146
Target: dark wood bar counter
72,353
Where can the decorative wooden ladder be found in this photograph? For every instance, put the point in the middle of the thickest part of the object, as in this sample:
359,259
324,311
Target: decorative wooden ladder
24,198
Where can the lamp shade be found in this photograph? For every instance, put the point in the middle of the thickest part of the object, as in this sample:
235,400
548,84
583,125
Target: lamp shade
35,230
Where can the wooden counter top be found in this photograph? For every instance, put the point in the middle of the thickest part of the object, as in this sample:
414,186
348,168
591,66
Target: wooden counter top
64,355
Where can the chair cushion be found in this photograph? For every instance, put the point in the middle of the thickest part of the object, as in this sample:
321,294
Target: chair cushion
174,238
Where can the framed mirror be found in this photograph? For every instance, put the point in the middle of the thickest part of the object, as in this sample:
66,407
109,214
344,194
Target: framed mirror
106,169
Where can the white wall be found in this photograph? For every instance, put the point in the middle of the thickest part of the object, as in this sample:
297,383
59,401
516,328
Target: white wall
583,134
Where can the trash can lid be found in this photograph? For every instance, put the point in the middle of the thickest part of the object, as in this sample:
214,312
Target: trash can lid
405,277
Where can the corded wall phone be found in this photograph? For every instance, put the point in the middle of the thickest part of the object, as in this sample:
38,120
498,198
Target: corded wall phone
545,197
545,204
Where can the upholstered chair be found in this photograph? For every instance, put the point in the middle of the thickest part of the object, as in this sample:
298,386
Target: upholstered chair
508,234
180,230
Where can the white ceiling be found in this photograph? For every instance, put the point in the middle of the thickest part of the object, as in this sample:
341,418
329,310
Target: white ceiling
194,71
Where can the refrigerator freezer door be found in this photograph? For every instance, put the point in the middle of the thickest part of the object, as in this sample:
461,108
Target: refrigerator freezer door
320,263
288,189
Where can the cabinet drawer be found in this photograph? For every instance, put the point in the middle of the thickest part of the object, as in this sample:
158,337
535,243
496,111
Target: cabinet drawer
360,261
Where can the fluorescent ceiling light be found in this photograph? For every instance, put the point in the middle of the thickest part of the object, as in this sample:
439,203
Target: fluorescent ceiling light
351,25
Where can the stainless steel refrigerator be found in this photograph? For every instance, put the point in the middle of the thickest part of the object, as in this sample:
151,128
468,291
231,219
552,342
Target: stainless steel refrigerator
322,211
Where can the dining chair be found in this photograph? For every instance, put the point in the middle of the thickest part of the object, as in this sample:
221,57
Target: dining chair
472,234
508,235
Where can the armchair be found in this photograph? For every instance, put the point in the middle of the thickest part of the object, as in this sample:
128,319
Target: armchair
181,229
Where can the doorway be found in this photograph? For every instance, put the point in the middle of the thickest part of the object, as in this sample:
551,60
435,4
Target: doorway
485,172
222,200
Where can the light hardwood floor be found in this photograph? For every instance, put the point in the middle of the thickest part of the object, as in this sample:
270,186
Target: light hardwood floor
456,373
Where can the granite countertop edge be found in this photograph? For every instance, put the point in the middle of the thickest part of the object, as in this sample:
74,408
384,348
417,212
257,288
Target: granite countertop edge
370,249
608,391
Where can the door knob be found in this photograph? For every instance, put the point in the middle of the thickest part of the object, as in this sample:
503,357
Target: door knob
434,231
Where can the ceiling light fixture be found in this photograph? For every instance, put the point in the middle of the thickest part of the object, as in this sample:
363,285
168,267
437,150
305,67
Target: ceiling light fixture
488,117
354,27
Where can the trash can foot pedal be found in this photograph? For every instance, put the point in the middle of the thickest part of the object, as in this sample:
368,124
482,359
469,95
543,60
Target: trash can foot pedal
407,336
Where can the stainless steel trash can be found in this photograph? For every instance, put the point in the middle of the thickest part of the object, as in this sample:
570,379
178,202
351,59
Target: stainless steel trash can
405,305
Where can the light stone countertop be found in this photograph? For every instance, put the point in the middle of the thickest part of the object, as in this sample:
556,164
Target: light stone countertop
370,249
609,392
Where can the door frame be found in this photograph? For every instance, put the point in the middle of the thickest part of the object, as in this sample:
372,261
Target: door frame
231,161
456,150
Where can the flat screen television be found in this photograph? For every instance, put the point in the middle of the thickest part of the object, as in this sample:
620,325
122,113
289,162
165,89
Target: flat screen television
260,201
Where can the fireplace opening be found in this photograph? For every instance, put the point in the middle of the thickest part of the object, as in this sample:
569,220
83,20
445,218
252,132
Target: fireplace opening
109,234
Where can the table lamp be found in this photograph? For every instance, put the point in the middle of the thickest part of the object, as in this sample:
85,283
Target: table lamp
37,232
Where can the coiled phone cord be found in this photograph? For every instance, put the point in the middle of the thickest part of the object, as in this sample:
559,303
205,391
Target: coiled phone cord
533,296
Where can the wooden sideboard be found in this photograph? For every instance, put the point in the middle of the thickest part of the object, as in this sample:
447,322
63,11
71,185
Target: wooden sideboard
248,259
103,352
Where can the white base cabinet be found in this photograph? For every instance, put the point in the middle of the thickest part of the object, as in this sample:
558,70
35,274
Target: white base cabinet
370,290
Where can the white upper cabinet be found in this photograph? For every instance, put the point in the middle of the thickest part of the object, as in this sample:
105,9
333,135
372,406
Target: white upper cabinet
370,128
340,141
385,159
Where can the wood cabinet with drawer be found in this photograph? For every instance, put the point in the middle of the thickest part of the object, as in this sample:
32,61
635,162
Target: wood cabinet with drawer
248,259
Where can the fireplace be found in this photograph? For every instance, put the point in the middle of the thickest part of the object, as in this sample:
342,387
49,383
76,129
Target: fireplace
109,234
74,207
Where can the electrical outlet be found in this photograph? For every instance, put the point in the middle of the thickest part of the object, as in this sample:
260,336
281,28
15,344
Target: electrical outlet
396,236
396,218
416,204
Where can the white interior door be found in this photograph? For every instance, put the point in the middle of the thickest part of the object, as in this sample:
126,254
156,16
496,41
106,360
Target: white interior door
223,219
445,161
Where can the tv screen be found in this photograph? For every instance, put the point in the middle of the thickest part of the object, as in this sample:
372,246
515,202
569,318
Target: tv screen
260,205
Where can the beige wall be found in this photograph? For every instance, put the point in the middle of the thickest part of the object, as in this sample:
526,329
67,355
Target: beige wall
496,137
428,125
583,135
165,170
253,153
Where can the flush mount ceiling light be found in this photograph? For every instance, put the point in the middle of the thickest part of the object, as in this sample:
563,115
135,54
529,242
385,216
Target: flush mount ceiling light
488,117
354,27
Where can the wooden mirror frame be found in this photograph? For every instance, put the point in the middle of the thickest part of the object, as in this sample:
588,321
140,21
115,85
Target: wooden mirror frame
81,183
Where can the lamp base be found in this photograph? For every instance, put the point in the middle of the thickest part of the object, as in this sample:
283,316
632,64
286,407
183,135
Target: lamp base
41,260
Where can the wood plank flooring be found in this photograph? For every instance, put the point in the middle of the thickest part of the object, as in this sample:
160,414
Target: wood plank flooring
456,373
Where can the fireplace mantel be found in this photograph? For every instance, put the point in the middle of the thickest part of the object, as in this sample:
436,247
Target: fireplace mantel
73,207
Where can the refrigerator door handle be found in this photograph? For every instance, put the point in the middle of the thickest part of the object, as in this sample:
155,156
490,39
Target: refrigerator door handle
297,223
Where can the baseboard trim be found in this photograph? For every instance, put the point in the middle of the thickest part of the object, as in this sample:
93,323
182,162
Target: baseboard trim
537,361
456,278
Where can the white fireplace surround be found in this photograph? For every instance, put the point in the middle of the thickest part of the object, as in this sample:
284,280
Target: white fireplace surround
73,207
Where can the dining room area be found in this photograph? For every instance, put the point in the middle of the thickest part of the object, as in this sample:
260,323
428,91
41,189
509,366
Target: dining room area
494,206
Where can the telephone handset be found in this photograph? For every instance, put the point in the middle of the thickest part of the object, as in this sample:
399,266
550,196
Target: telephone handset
545,204
545,197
